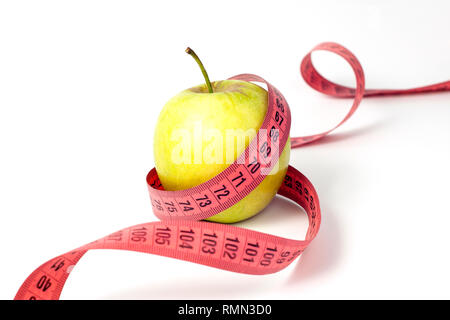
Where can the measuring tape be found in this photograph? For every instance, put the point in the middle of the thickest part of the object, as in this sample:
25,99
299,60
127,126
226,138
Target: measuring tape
180,235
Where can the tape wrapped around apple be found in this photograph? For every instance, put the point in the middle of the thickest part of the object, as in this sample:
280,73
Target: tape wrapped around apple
189,143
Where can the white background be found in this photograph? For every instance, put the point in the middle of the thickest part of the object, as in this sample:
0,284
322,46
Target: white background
81,86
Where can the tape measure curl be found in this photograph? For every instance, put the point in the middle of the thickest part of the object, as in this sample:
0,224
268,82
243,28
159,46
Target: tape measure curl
179,235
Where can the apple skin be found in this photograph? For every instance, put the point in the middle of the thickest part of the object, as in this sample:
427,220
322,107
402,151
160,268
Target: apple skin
234,104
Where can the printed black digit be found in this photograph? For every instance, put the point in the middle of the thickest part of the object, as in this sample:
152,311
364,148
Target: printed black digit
186,206
162,236
255,165
58,264
139,234
205,203
209,243
251,252
44,283
288,181
239,176
222,192
186,239
278,118
230,248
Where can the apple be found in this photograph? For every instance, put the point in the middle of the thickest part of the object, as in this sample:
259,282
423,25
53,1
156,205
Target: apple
189,143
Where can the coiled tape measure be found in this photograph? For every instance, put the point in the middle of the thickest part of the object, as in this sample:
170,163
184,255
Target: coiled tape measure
180,235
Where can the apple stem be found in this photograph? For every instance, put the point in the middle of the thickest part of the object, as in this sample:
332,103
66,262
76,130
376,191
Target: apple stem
200,64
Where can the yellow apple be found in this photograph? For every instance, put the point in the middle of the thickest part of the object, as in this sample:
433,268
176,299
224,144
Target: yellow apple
191,142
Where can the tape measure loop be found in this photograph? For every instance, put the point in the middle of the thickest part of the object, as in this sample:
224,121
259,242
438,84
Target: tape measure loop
227,247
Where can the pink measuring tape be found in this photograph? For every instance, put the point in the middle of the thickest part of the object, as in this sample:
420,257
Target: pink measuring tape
180,235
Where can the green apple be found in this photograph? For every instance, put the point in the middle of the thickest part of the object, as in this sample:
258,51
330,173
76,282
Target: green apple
186,156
